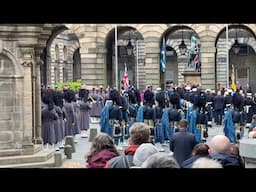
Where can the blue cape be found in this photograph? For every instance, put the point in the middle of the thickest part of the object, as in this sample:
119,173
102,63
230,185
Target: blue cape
168,131
229,126
139,116
105,127
192,125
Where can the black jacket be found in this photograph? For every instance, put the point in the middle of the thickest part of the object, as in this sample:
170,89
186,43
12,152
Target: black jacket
227,161
189,162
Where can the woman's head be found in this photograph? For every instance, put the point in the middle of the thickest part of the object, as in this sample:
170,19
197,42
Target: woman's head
200,149
102,142
139,133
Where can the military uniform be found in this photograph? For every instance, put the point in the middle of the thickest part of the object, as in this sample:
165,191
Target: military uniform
201,115
238,114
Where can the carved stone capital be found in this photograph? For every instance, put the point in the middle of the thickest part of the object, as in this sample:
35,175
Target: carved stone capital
27,63
39,62
27,55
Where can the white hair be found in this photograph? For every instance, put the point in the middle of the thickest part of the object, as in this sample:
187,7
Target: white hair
204,162
160,160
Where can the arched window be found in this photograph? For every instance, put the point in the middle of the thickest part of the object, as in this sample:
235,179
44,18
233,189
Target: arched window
65,53
57,54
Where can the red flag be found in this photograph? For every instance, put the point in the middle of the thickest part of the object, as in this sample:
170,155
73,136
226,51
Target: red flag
125,78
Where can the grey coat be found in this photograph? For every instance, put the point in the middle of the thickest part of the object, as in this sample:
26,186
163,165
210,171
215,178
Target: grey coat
68,109
84,120
48,129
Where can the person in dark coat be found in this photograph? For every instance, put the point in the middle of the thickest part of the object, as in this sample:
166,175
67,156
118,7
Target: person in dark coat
48,117
84,119
158,129
200,150
146,112
112,118
102,150
248,102
69,113
59,123
218,106
182,142
238,114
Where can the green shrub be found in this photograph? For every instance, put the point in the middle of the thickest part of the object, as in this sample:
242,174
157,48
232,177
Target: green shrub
74,86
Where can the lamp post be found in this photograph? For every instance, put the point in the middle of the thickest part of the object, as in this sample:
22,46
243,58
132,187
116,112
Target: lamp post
116,57
182,46
227,52
129,49
236,46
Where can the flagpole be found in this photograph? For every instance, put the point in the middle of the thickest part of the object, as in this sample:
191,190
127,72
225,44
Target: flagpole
116,57
227,55
137,62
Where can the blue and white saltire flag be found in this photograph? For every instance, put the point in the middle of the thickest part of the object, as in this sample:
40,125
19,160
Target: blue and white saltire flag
163,56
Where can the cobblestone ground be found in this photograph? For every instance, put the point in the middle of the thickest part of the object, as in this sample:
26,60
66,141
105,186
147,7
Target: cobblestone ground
83,145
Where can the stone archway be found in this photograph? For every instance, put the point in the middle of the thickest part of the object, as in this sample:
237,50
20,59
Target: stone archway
133,61
11,96
243,62
59,67
76,65
177,63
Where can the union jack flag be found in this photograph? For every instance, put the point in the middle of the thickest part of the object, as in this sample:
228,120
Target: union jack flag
194,61
125,77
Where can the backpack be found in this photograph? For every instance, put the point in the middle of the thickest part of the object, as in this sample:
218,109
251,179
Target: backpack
123,161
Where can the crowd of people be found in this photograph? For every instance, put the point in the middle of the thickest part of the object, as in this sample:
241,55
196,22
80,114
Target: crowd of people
178,116
141,153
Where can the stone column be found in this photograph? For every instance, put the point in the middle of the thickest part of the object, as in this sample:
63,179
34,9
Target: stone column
152,63
27,125
37,139
208,62
91,73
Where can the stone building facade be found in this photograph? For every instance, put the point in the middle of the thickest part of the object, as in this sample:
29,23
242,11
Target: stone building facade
35,54
97,53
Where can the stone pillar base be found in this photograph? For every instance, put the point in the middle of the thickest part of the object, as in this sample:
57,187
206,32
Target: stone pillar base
37,140
192,76
28,148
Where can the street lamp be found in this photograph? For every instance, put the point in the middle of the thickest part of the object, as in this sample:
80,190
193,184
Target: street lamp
129,48
130,52
182,46
236,46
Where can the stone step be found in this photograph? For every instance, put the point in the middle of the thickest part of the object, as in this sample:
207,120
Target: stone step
49,163
15,152
40,156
